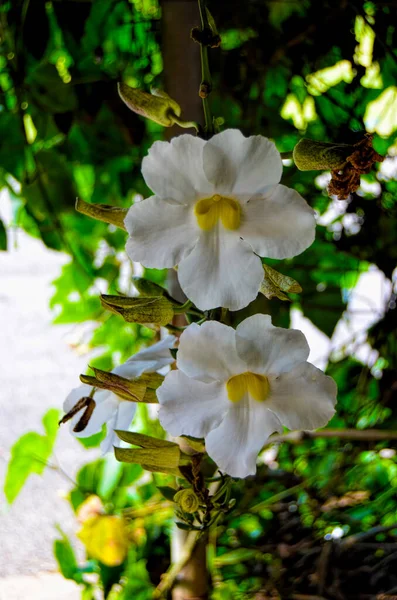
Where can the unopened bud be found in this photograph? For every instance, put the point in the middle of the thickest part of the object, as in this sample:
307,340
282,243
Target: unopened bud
310,155
157,106
156,310
114,215
187,500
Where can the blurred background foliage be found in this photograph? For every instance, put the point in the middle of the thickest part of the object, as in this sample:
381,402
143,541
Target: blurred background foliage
317,519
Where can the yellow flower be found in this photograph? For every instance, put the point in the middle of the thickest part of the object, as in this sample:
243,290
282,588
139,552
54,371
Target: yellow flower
105,538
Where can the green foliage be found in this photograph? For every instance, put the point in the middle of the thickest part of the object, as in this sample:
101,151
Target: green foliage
66,559
30,454
66,133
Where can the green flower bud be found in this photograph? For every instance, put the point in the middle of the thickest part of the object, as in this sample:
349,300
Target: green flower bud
156,310
157,106
103,212
187,500
310,155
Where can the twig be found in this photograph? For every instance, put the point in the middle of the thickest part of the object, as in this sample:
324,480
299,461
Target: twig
280,496
369,435
364,535
306,597
322,566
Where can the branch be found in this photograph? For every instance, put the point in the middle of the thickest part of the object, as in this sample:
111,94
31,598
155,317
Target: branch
368,435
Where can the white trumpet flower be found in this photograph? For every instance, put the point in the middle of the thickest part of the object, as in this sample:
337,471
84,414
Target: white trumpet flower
236,387
218,206
111,409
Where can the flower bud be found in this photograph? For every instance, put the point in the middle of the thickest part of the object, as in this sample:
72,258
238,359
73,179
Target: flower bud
187,500
113,215
310,155
156,310
346,162
157,106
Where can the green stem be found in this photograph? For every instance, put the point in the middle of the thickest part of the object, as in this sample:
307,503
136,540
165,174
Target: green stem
206,80
182,308
186,124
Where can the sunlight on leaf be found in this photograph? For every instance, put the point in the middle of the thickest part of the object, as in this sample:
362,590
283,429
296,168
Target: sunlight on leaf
30,454
321,81
381,114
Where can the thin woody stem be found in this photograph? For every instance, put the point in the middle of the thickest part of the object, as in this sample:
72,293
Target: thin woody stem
206,81
366,435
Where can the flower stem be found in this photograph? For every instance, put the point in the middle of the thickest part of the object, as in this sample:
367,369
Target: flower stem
206,81
186,124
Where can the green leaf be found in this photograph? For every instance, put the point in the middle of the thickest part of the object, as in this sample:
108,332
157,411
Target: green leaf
66,559
167,491
30,455
110,477
3,236
50,190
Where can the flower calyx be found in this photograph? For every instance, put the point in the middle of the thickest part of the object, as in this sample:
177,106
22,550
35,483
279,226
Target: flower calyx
275,284
140,389
145,310
153,454
148,288
347,162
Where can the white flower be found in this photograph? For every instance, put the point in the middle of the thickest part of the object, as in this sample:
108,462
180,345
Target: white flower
236,387
218,206
116,412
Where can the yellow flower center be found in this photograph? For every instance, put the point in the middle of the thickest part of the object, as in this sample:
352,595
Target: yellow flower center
252,383
209,210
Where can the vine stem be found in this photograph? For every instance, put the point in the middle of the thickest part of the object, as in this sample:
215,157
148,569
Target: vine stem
206,80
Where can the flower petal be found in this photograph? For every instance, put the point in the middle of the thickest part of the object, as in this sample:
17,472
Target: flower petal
240,165
120,420
208,352
148,360
174,169
161,234
267,349
235,444
278,223
190,407
221,270
303,398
